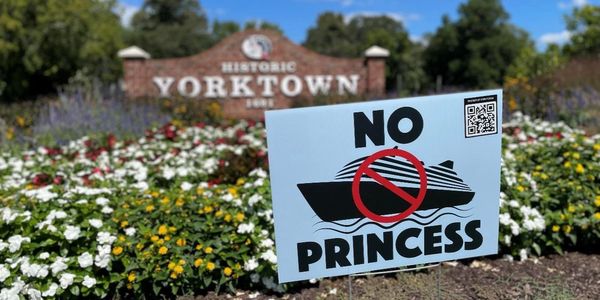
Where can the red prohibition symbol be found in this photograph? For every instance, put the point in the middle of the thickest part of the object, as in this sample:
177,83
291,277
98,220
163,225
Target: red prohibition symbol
414,202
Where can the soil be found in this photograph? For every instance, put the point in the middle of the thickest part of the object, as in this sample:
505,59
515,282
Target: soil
571,276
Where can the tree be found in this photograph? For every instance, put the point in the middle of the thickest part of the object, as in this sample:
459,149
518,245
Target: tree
221,30
476,50
44,43
336,37
584,25
170,28
262,25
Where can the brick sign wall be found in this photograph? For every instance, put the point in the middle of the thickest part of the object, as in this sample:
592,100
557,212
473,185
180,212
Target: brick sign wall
251,71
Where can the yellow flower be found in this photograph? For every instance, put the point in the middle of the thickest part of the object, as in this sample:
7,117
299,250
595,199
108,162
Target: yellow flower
227,271
199,191
239,217
248,242
124,224
163,250
117,250
171,265
154,238
233,191
579,169
567,228
165,200
125,206
20,121
208,209
555,228
199,247
197,262
208,250
597,200
139,246
155,194
131,277
567,164
571,209
121,238
173,275
150,208
181,262
162,230
520,188
544,176
576,155
219,213
180,242
10,133
178,269
172,229
210,266
167,238
240,181
597,147
227,218
597,215
566,154
179,202
562,217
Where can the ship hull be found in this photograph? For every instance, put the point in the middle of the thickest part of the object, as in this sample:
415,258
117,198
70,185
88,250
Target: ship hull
333,201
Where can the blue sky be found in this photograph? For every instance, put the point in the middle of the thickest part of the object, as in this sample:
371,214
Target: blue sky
543,19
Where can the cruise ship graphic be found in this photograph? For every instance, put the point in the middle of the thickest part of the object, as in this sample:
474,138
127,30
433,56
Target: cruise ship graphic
333,201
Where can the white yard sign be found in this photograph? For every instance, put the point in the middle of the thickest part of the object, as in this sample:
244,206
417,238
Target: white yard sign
382,184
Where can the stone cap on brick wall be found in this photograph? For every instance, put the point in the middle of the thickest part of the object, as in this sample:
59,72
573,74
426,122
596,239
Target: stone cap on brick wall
133,52
376,51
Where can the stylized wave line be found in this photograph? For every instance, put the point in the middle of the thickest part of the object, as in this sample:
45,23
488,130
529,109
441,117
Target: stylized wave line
414,213
437,210
392,225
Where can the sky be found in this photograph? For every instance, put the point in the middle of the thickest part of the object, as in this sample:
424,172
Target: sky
543,19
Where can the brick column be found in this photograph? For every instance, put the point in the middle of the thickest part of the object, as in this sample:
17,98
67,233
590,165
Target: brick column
134,70
375,60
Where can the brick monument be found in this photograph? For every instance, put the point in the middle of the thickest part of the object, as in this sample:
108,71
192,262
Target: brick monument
254,70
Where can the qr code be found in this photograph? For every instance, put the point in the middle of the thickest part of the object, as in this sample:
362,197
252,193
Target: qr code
481,116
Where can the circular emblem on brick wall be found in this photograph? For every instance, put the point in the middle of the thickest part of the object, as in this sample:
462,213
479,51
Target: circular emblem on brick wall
257,46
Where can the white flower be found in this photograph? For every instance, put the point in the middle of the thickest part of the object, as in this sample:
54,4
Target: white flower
267,243
88,281
59,265
251,264
51,291
255,277
4,273
505,218
107,210
66,279
15,241
269,256
186,186
96,223
105,238
245,228
72,233
34,294
101,261
130,231
523,254
85,260
255,199
102,201
44,255
3,245
168,173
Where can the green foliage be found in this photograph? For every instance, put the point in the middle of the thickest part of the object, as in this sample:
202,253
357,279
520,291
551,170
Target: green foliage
44,43
263,25
334,36
167,28
476,50
585,26
221,30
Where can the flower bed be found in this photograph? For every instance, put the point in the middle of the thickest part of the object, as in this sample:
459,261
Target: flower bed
184,210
